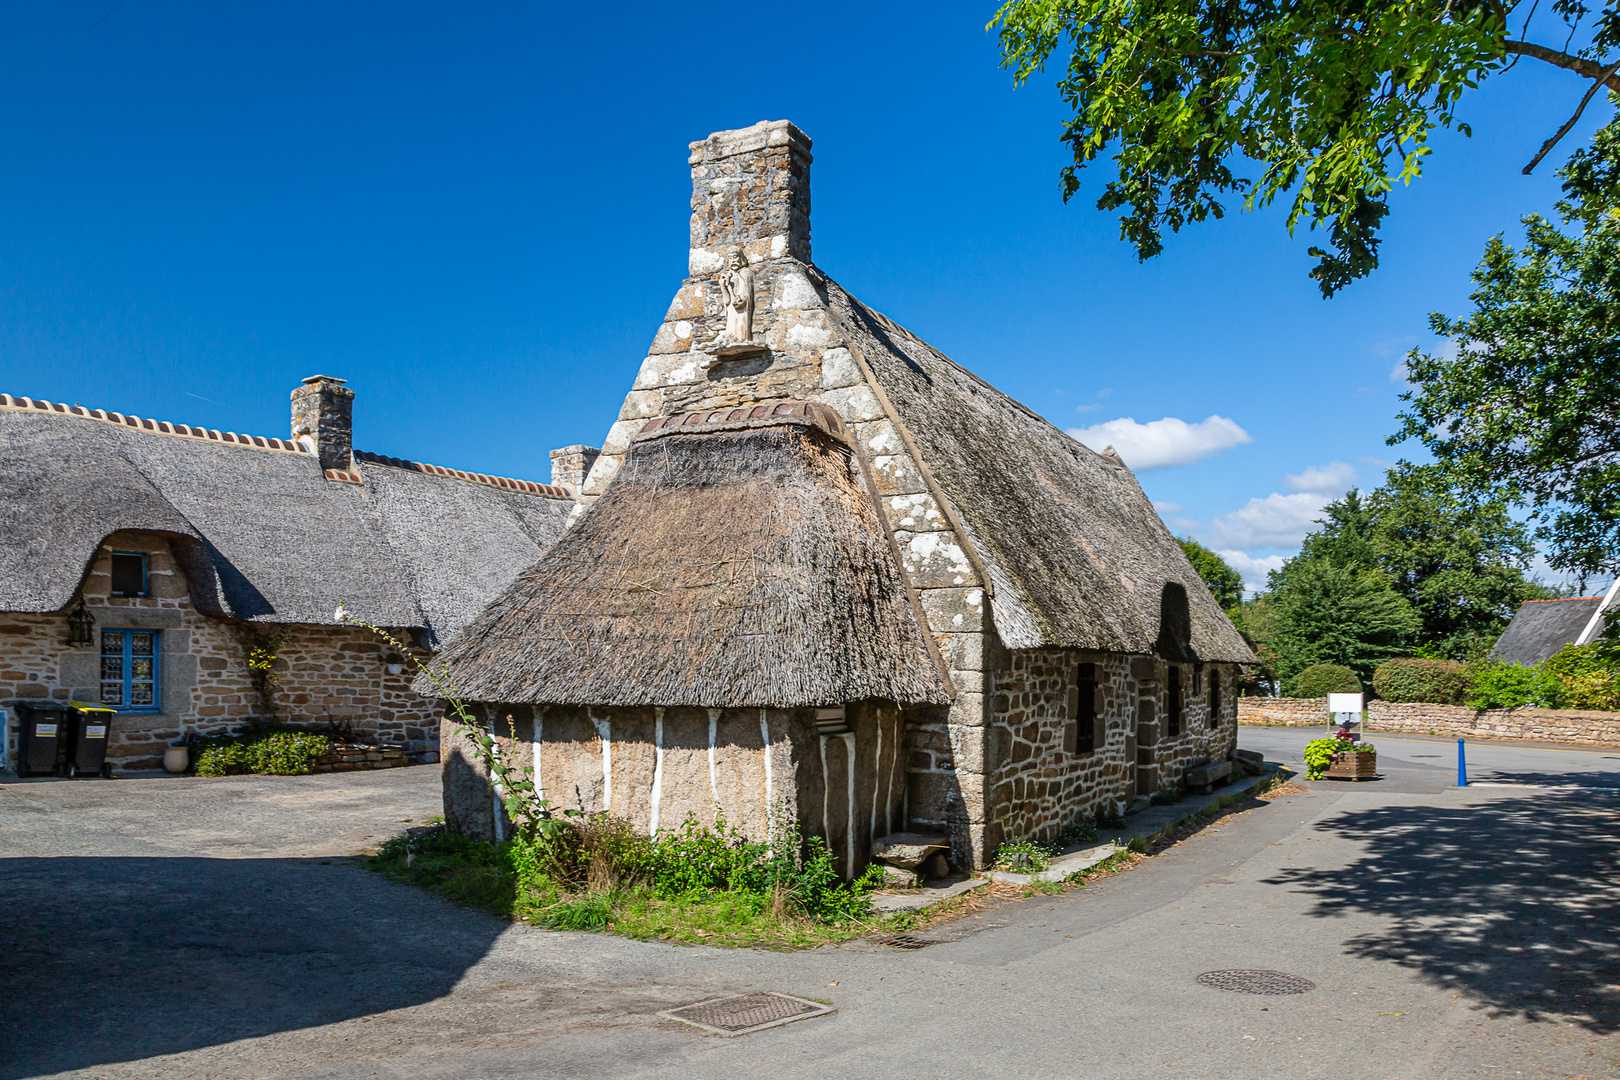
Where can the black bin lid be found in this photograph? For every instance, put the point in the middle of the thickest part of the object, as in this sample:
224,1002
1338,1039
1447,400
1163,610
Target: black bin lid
26,707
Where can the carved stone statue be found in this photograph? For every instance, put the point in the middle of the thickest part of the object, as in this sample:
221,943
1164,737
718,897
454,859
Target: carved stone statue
737,290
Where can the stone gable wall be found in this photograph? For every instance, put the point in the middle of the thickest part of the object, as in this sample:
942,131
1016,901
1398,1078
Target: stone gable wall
325,673
1576,726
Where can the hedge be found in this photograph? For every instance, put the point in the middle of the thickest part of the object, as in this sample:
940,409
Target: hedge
1435,682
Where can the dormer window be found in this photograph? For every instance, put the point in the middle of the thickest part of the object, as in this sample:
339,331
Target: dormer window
128,573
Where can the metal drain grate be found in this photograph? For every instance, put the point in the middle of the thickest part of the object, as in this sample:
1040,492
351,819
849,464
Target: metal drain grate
1256,982
740,1014
1425,755
904,941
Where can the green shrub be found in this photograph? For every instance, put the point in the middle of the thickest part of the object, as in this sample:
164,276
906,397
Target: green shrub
1320,680
1507,686
1439,682
1588,676
276,751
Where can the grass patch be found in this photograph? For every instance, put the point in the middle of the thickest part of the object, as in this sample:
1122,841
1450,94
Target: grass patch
590,892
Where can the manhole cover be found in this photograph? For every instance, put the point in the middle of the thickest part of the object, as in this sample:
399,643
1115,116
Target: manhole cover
1425,755
904,941
1256,982
740,1014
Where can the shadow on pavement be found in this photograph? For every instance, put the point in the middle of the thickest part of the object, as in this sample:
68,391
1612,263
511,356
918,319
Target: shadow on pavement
1514,900
117,959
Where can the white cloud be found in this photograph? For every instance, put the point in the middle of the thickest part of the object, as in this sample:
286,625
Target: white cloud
1162,443
1254,570
1398,372
1334,478
1276,521
1106,391
1088,408
1167,507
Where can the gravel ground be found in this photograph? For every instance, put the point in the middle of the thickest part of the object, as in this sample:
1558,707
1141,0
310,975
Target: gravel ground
177,928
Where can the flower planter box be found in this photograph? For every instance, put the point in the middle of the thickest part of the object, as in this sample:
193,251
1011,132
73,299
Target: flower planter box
1354,765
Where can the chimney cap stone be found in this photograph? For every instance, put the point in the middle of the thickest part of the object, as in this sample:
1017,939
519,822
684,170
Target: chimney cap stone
323,378
766,133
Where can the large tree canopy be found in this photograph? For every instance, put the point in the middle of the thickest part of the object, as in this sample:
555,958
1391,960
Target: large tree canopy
1332,102
1525,406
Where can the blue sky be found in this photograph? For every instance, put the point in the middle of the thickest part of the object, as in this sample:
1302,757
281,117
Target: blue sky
478,217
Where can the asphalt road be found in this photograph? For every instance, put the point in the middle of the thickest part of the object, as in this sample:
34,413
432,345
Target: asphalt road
1449,933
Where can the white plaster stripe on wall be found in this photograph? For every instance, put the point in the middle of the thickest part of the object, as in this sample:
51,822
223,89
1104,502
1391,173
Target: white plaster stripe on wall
714,735
826,788
604,731
534,740
770,794
658,768
495,781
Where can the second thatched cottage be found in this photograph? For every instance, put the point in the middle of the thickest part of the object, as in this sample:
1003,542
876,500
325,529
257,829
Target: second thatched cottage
821,570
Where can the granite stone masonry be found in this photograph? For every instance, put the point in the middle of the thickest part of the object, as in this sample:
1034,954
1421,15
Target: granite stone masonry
325,676
1573,726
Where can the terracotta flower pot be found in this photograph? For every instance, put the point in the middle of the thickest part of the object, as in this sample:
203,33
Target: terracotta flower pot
177,759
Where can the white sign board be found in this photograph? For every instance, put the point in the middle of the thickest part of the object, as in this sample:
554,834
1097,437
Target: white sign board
1341,703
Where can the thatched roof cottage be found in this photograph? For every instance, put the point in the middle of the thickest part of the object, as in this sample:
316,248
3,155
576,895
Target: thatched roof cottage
821,569
140,560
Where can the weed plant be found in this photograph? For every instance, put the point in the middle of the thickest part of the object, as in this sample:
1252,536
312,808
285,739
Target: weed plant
274,749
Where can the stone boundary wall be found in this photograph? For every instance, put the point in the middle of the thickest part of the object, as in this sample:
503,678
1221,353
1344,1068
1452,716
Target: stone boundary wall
343,757
1575,726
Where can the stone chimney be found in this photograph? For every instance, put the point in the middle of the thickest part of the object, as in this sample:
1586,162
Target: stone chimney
323,421
750,188
571,464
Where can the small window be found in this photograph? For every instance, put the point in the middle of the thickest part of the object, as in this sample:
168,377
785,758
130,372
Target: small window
128,573
1172,709
1215,697
129,670
1081,730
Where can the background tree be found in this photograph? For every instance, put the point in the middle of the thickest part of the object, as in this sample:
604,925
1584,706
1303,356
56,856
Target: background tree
1225,583
1333,103
1526,407
1327,614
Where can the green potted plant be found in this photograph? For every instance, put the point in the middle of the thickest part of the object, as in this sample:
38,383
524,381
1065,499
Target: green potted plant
1340,758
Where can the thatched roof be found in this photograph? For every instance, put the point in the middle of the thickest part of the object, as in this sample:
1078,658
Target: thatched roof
263,534
736,561
1077,555
1542,627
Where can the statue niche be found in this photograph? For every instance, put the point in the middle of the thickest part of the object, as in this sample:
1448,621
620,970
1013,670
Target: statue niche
737,291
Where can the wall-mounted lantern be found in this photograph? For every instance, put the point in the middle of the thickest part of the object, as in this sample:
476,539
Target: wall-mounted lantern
81,625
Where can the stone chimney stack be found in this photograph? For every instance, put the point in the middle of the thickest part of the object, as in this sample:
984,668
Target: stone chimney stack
323,421
570,465
751,189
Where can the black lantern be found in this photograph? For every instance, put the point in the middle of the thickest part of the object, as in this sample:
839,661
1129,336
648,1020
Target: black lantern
80,625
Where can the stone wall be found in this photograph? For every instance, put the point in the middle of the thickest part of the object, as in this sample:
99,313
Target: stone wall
1575,726
325,674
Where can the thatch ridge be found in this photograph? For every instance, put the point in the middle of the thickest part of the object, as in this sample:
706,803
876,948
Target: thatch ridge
732,568
1077,555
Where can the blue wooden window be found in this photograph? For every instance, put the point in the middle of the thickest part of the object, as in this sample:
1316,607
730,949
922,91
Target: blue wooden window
128,573
129,670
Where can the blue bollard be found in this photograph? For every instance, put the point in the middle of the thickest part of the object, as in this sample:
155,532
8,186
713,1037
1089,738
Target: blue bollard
1462,766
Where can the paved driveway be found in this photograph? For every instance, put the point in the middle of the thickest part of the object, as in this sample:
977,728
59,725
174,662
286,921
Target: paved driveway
1449,934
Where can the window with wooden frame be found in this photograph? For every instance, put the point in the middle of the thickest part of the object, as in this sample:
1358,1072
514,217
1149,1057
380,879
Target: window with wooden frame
128,573
1172,704
1214,697
1085,729
129,670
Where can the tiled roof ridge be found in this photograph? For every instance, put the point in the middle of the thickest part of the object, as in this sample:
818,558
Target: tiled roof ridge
266,442
505,483
154,427
1562,599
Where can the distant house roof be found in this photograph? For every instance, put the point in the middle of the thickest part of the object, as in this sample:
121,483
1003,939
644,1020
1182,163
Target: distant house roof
1077,554
264,534
1542,627
735,561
